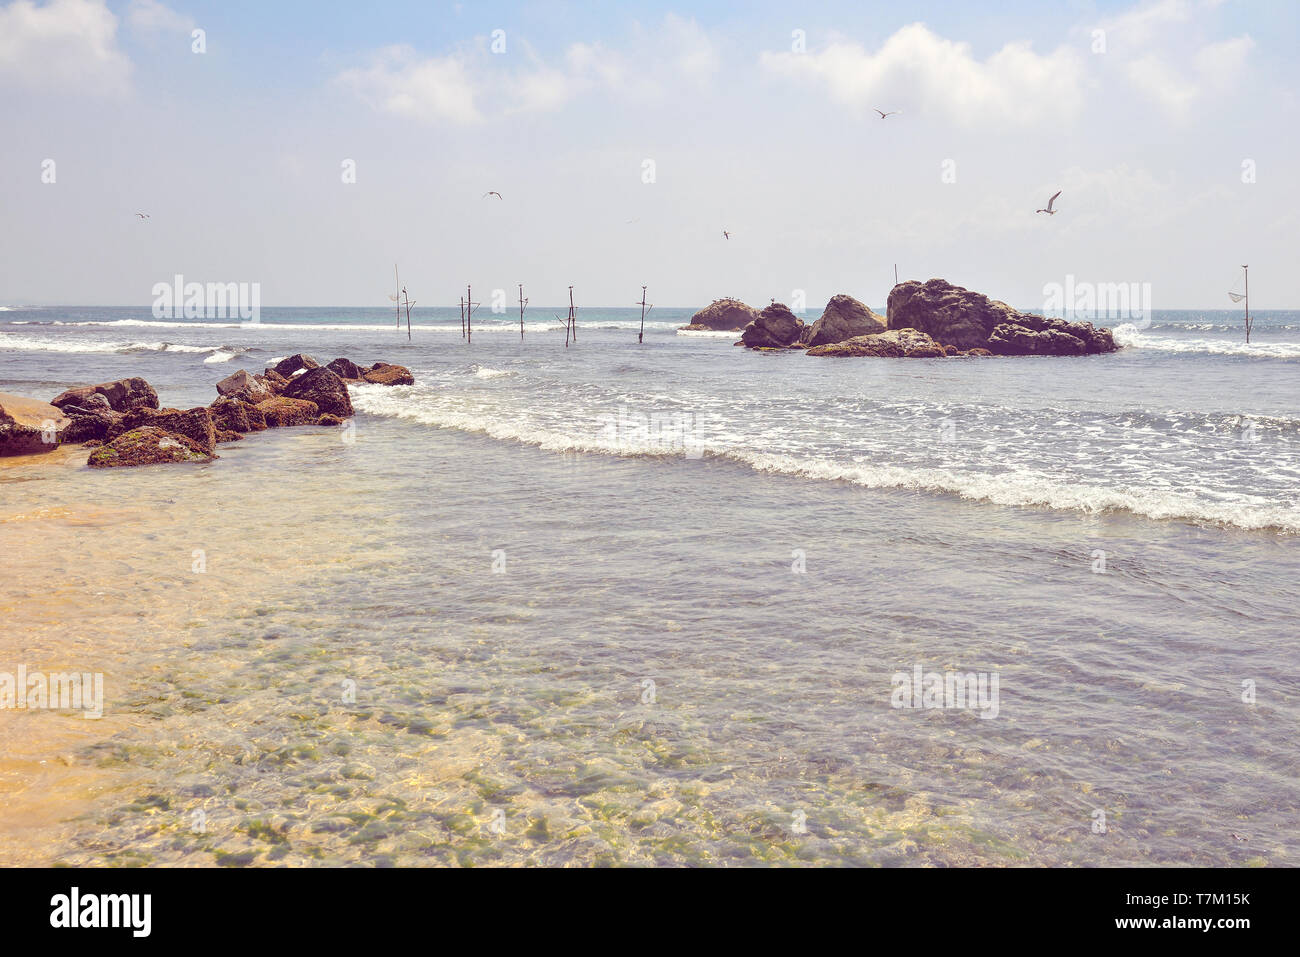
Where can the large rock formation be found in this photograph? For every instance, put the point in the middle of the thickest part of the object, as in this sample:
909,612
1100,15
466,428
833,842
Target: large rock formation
843,318
968,320
147,446
776,327
122,395
723,315
893,344
324,388
235,415
29,426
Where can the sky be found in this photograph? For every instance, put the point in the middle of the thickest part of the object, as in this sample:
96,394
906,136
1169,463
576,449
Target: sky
308,147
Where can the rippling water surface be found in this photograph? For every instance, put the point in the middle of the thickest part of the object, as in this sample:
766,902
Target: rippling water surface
544,607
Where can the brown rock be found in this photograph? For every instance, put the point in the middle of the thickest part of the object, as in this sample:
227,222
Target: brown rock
328,391
843,318
345,369
243,385
281,412
381,373
225,435
776,327
970,320
893,344
287,367
122,395
29,426
195,424
147,446
723,315
328,419
273,381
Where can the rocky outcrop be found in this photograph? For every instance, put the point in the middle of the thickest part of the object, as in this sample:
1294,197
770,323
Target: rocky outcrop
382,373
723,315
29,426
776,327
844,318
892,344
123,395
282,412
345,369
245,386
969,320
324,388
195,424
94,422
287,367
147,446
273,381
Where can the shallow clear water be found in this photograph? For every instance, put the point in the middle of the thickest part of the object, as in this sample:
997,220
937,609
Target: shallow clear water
948,514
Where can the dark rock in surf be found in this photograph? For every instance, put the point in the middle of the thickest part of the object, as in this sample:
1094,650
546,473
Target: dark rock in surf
323,387
122,395
776,327
723,315
287,367
383,373
148,446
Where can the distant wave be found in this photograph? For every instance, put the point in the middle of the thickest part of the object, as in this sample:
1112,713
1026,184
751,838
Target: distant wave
24,344
482,372
1130,336
1022,488
710,333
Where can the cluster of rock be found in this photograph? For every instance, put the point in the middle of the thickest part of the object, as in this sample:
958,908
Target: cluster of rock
123,422
722,315
933,319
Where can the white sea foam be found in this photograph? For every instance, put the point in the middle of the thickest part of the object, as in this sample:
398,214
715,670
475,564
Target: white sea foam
27,344
709,333
482,372
1020,486
1130,336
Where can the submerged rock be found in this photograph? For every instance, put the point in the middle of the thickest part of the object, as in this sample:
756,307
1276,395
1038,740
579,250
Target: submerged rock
776,327
236,415
282,412
29,426
892,344
723,315
843,318
323,387
147,446
969,320
382,373
123,395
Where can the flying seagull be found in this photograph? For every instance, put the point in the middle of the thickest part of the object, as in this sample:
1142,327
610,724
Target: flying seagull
726,235
1049,211
492,192
143,215
883,114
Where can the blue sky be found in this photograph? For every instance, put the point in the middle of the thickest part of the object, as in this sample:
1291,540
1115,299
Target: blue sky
237,153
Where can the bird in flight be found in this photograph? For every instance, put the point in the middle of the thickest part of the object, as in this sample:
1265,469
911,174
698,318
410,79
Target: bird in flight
1049,211
883,114
492,192
726,235
143,215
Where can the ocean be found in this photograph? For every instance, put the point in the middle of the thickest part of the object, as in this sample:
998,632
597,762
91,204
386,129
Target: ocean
663,603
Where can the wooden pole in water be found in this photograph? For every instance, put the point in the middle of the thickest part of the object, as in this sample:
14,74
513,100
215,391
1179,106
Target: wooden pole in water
640,336
409,304
469,313
462,317
522,301
1247,271
573,317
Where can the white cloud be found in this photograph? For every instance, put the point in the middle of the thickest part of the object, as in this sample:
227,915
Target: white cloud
63,44
437,88
916,68
472,85
151,16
